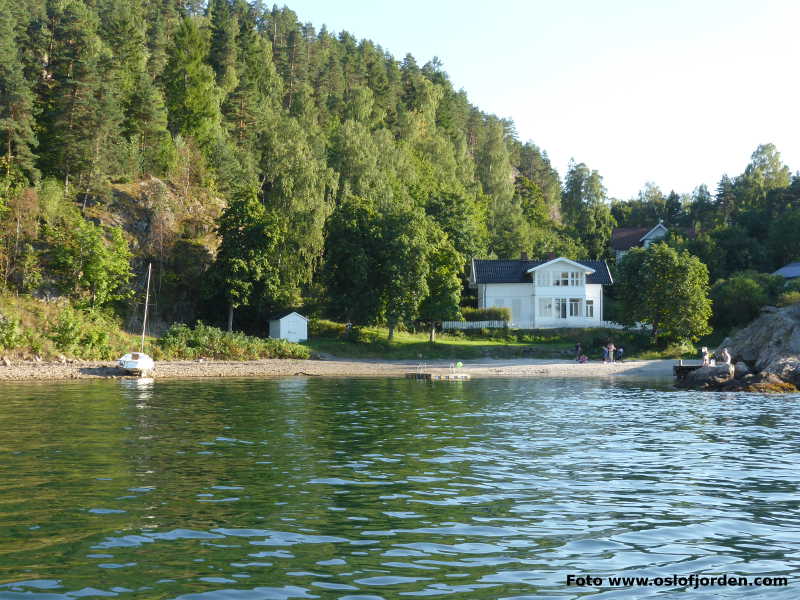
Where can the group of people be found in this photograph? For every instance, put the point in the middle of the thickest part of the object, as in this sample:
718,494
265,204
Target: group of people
708,359
610,353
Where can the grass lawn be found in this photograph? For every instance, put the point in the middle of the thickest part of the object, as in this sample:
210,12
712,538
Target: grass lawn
372,343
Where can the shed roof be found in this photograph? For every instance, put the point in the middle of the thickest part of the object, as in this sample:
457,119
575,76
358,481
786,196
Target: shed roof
281,316
789,271
516,271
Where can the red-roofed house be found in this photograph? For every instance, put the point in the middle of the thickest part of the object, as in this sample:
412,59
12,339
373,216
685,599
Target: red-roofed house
625,238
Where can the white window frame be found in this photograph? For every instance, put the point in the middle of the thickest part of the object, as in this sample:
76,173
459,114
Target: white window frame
574,307
545,307
561,279
588,309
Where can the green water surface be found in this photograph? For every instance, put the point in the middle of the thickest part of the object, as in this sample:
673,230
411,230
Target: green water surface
387,488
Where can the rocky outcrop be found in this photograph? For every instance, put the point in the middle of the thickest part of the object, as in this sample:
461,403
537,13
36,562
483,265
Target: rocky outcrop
766,354
706,378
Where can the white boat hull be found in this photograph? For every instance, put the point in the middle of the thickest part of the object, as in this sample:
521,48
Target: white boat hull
138,364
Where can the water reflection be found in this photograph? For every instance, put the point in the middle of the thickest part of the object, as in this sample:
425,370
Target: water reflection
310,488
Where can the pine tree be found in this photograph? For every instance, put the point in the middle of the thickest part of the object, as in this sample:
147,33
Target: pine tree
17,138
192,96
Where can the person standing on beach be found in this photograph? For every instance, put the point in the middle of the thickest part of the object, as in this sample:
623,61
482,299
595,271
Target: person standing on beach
611,350
605,354
578,351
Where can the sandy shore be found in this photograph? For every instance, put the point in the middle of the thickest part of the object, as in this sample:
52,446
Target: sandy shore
32,371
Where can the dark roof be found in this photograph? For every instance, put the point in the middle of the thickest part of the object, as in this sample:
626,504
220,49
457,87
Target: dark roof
625,238
789,271
516,271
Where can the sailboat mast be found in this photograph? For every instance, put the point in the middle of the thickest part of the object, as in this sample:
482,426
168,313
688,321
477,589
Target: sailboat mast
146,300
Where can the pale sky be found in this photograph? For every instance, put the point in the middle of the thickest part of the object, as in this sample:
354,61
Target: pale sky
676,92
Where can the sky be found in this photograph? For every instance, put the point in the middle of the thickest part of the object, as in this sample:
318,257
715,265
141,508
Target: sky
674,92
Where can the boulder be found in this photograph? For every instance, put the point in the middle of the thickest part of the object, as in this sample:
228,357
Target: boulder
741,369
773,336
6,361
708,377
786,368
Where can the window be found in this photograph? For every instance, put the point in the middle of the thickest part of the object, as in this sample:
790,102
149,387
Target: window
589,309
576,278
561,308
543,278
545,307
561,278
574,307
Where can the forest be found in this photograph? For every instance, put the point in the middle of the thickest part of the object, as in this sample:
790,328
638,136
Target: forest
261,164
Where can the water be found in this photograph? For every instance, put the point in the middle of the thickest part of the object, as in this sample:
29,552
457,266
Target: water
386,488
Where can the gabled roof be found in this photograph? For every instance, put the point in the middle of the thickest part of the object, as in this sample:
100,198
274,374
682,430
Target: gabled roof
562,259
789,271
625,238
517,271
653,230
280,316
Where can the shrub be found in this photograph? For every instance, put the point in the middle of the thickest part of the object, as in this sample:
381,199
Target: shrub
325,328
495,313
184,342
10,335
83,335
788,298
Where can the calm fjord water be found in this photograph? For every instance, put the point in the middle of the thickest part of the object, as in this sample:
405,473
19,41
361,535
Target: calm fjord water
386,488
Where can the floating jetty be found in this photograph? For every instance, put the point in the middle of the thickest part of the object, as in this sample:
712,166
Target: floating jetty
437,376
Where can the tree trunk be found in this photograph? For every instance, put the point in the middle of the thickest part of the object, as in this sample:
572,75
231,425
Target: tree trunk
391,331
230,318
432,338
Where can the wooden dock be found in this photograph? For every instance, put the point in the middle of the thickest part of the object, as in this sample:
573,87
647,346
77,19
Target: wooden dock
680,371
437,376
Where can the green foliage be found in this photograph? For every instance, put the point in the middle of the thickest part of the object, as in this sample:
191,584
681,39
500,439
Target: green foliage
83,334
92,269
203,341
667,290
10,333
736,301
788,298
495,313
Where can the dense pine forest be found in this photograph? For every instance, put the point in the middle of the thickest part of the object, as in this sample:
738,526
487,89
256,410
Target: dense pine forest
261,164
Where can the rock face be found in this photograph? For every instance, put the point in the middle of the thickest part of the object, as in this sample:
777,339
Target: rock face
766,353
771,343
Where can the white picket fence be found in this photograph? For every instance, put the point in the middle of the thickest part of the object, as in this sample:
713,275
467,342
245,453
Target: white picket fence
475,324
529,325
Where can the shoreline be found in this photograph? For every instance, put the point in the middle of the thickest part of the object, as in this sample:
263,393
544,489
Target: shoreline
483,368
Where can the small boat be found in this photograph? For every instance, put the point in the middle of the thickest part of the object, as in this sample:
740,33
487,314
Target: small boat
139,363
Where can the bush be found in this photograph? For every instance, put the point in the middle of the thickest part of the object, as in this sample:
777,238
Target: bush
325,328
183,342
736,301
10,334
788,298
495,313
83,335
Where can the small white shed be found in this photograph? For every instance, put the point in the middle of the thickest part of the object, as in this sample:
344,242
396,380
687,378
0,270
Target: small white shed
292,327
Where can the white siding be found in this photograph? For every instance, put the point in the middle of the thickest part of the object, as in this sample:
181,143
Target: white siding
525,299
510,295
292,328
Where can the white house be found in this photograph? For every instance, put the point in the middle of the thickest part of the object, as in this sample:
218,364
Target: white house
292,327
543,293
625,238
